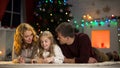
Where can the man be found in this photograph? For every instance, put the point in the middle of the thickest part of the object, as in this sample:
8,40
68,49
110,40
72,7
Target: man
76,47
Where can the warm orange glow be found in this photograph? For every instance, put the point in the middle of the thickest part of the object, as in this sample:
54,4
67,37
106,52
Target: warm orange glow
84,16
112,15
87,17
101,38
0,52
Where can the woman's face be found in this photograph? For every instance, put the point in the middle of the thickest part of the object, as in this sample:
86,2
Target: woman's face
28,36
45,42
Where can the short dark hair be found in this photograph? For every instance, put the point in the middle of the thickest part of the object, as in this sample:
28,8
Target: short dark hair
66,29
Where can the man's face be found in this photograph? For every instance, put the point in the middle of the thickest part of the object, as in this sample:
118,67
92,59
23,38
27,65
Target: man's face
62,39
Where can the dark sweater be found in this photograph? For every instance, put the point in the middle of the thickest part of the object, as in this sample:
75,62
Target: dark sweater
81,49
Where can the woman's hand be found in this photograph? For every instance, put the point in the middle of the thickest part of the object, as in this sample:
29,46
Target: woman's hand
33,61
21,59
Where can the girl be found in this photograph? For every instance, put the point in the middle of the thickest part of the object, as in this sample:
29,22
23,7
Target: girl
49,52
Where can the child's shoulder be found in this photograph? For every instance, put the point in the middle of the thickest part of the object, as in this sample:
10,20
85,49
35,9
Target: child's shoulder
56,46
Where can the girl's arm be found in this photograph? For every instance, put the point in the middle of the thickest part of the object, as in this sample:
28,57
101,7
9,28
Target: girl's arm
59,57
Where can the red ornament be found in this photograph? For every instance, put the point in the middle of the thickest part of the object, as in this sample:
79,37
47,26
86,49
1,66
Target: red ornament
56,2
45,21
40,18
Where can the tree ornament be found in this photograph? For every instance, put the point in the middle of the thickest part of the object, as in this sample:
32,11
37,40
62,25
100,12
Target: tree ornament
61,10
52,20
43,9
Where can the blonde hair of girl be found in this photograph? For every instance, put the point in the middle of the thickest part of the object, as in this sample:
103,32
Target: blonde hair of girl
49,35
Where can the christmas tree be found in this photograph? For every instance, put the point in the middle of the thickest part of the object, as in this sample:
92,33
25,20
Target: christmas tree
48,14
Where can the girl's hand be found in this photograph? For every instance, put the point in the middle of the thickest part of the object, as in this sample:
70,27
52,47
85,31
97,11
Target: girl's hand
49,59
40,60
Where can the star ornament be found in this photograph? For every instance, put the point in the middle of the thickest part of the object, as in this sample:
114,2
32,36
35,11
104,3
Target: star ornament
106,9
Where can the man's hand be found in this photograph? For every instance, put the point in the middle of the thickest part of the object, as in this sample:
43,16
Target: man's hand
67,60
92,60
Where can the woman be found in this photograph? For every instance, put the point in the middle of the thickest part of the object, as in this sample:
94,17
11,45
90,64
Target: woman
25,44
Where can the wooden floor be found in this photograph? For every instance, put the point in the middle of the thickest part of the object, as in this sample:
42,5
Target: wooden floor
4,64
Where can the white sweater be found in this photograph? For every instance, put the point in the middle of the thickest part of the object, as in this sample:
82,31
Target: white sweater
58,58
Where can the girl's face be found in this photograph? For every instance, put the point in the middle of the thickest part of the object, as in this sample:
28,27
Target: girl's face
45,42
28,36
